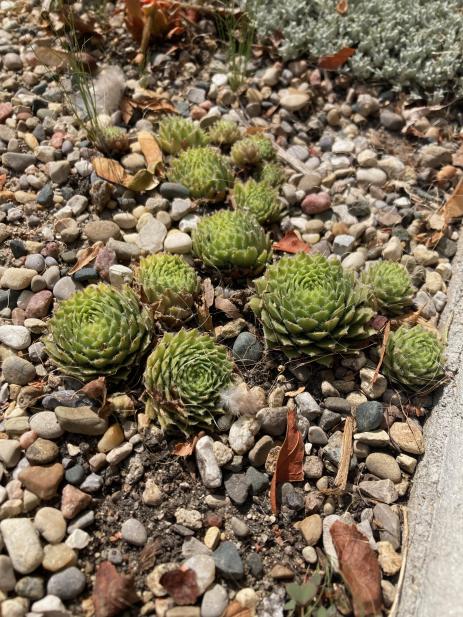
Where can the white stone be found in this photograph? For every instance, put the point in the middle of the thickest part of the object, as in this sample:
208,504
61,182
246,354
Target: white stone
178,242
78,539
22,543
204,567
242,434
16,337
392,250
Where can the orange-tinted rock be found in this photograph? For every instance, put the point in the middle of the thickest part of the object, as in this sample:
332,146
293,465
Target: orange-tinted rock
73,501
43,481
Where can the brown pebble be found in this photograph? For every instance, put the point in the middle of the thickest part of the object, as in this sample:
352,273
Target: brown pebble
42,481
39,304
281,573
73,501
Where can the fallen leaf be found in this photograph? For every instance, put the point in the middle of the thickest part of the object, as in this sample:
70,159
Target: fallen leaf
56,58
342,7
134,18
226,306
151,150
289,465
206,300
147,558
186,448
88,254
86,25
382,351
235,609
453,208
291,243
293,393
181,584
335,61
113,172
96,390
113,592
359,567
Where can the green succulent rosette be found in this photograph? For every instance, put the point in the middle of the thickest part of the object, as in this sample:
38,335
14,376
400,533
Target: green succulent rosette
99,331
272,174
224,133
176,134
233,241
204,172
170,285
390,286
414,358
184,376
310,307
259,199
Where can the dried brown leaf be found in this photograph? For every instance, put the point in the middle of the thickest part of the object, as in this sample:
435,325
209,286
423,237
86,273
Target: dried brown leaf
342,7
151,150
226,306
289,465
113,592
334,61
147,557
186,448
291,243
96,390
453,208
235,609
181,584
87,256
382,351
113,172
359,566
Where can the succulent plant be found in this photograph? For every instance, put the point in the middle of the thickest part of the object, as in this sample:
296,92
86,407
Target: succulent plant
232,240
265,146
206,173
176,134
224,133
258,198
114,139
272,173
414,358
311,307
184,377
170,284
252,151
99,331
390,287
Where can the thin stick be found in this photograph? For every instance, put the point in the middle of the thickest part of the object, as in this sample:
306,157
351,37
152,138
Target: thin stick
346,452
395,604
292,160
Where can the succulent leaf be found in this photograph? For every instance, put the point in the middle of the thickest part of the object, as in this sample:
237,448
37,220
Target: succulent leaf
184,377
414,358
176,134
390,286
258,198
272,173
311,307
206,173
99,331
224,133
232,240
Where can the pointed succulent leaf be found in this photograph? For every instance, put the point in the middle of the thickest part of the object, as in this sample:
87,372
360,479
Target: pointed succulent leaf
258,198
176,134
390,287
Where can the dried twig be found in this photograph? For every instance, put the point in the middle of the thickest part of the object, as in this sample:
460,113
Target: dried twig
395,604
346,452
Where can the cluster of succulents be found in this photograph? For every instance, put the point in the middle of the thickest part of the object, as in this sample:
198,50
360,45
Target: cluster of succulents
390,286
414,358
271,173
206,173
177,134
184,377
310,307
233,241
258,198
224,133
99,331
251,151
170,285
427,33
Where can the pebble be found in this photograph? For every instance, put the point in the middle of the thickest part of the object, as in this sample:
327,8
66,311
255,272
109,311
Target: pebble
67,584
7,576
134,532
42,451
368,416
18,371
408,436
242,434
22,544
390,120
17,160
50,606
15,337
64,288
237,487
273,420
17,278
189,518
152,235
383,466
228,561
10,452
294,100
388,523
57,557
51,524
258,454
78,539
73,501
45,424
30,587
247,348
178,242
382,490
112,438
84,421
214,602
373,438
311,529
204,567
239,527
211,475
373,389
101,230
152,495
42,481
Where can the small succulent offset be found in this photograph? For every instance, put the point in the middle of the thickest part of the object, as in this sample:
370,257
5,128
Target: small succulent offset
390,286
224,133
272,173
184,377
310,307
170,285
204,172
414,358
252,151
114,140
258,198
233,241
176,134
99,331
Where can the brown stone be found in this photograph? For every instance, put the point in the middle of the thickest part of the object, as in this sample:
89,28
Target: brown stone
314,203
408,436
311,529
73,501
39,304
42,451
42,481
281,573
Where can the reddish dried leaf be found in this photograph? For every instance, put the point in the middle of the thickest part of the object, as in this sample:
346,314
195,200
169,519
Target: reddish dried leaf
386,333
2,180
186,448
225,305
342,7
378,322
96,390
359,566
289,466
147,557
181,584
335,61
291,243
113,592
151,150
114,172
453,209
445,174
88,255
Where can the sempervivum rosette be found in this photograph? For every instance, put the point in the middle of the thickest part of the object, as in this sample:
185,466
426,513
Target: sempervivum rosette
414,358
259,199
311,307
176,134
170,285
224,133
205,172
232,240
184,377
390,286
100,331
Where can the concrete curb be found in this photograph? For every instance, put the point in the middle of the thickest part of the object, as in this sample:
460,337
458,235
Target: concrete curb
433,581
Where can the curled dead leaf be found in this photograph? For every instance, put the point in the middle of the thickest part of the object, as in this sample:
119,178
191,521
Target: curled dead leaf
342,7
113,172
453,208
186,448
334,61
88,255
291,243
382,352
151,151
235,609
181,584
226,306
113,592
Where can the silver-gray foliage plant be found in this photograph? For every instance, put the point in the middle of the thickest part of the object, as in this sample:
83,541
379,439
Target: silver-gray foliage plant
416,44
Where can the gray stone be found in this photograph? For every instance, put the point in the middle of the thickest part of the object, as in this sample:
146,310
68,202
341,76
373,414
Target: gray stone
17,160
307,406
242,434
67,584
247,348
329,419
383,466
228,561
237,487
64,288
101,230
81,420
390,120
209,469
134,532
434,156
30,587
12,62
317,436
204,568
214,602
368,416
46,425
22,543
16,337
59,171
273,420
388,524
10,452
170,190
342,244
92,483
381,490
258,454
7,577
152,235
18,371
338,404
